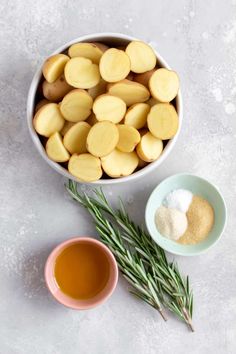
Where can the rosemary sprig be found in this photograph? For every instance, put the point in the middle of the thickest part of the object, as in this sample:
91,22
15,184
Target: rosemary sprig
143,263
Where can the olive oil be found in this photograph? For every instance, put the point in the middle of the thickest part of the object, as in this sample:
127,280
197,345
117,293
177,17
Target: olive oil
81,270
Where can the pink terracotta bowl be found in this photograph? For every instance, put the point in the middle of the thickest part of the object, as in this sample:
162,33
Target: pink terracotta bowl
68,301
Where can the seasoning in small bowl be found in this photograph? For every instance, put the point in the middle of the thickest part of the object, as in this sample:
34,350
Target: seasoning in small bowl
185,214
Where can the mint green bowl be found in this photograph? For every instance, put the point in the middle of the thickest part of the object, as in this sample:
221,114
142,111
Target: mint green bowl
198,186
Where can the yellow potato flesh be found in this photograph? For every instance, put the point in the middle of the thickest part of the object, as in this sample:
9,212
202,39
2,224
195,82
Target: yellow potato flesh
114,65
76,105
102,138
76,137
41,103
86,50
54,66
129,137
48,120
129,91
164,85
142,56
82,73
55,149
108,107
56,90
163,121
149,148
119,164
136,115
98,90
85,167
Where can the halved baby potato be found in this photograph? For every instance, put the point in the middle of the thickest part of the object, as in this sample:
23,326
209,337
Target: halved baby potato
85,167
92,51
56,90
102,138
129,137
82,73
98,90
76,137
142,56
48,120
119,164
55,149
163,121
129,91
114,65
144,78
136,115
108,107
54,66
41,103
149,148
164,85
76,106
66,127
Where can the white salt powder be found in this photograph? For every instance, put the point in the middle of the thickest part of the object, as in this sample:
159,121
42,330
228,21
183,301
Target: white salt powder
179,199
171,223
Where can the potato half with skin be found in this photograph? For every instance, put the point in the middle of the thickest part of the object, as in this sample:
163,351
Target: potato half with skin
98,90
76,106
76,137
163,121
114,65
66,127
149,148
41,103
129,137
55,148
164,85
144,78
92,51
85,167
102,138
119,164
56,90
136,115
129,91
54,66
142,57
48,120
108,107
82,73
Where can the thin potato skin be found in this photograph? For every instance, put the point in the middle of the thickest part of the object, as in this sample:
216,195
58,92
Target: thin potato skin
66,127
48,120
57,90
119,164
136,116
41,103
85,167
144,77
163,121
57,61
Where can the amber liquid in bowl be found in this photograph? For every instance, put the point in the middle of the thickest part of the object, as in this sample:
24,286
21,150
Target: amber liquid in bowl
82,270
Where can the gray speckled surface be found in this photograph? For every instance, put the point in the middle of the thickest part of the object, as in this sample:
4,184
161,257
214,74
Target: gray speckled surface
198,39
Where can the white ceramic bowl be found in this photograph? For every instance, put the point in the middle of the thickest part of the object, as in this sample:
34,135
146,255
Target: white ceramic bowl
112,39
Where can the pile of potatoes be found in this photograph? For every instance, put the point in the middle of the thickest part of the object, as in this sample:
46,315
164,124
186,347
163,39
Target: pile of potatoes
106,110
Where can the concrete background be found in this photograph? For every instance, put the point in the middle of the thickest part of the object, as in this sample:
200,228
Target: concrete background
198,39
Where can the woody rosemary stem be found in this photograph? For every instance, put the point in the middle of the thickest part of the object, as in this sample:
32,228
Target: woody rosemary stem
142,262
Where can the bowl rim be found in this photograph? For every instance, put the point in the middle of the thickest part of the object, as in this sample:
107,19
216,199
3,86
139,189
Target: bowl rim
188,253
56,166
58,249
